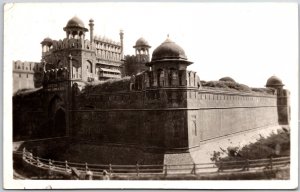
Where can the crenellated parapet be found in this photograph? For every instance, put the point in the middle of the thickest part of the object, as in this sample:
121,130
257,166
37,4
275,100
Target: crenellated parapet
70,44
27,75
25,66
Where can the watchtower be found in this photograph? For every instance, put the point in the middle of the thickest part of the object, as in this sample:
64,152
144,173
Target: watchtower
283,100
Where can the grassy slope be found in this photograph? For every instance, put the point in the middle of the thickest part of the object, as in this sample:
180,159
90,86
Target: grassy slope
276,145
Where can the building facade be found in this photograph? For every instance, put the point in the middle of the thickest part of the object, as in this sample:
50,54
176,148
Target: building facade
163,108
96,59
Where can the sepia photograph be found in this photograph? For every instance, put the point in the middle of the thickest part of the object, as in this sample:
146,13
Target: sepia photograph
156,95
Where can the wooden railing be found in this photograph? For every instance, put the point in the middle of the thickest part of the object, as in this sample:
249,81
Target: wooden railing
67,168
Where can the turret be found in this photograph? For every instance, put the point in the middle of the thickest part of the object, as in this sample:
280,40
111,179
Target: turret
169,64
142,51
283,100
75,29
46,45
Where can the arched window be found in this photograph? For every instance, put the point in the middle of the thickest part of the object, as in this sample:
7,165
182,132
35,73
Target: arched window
89,67
172,77
180,76
160,77
150,78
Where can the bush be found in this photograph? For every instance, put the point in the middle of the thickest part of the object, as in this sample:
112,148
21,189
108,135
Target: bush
227,85
275,145
108,86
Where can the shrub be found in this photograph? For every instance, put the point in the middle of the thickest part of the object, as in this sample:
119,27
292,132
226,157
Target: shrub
275,145
227,85
108,86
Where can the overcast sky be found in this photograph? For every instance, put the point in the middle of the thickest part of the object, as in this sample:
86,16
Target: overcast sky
247,41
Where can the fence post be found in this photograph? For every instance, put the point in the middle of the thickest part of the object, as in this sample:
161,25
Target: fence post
24,153
247,165
66,165
221,166
271,162
30,157
166,170
194,169
137,169
86,167
38,163
110,169
50,164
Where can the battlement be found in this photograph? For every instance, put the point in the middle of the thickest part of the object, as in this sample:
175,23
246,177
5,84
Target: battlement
27,75
105,40
68,44
26,66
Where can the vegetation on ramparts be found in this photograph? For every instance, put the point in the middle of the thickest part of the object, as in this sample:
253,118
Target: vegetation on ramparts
234,86
23,92
108,86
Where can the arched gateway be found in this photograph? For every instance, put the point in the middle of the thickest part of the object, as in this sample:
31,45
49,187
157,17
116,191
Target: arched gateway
60,123
57,117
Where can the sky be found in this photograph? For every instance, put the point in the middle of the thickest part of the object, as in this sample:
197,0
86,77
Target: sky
249,42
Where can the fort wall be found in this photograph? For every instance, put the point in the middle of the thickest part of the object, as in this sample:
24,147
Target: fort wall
27,75
214,114
153,111
170,118
148,128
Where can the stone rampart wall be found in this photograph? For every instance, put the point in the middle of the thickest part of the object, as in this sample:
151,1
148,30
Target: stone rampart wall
214,114
142,127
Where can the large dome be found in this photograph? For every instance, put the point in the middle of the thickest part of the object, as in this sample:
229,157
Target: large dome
168,50
141,42
75,22
274,81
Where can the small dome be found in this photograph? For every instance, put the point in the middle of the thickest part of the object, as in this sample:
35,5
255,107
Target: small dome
274,81
75,22
47,41
227,79
168,50
141,42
